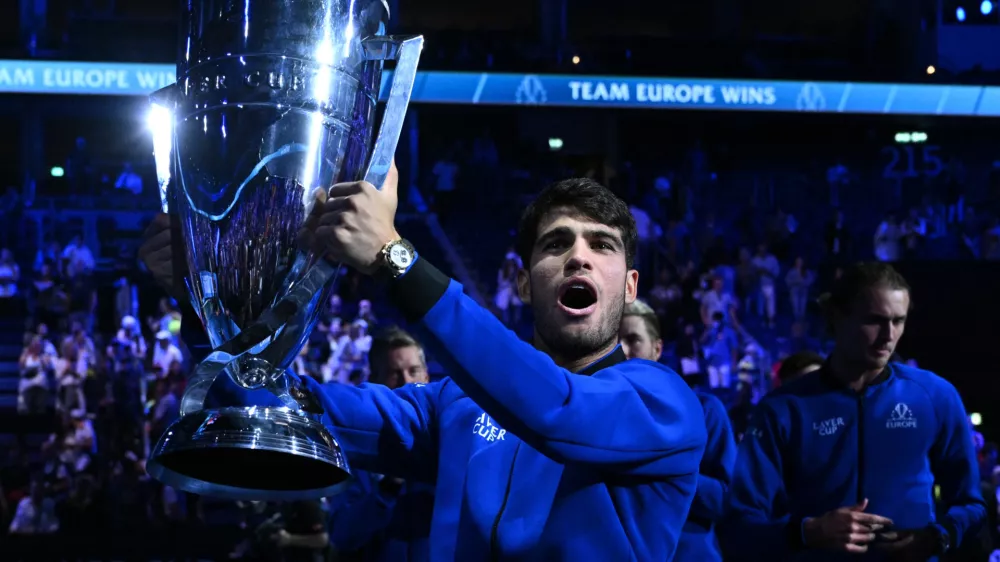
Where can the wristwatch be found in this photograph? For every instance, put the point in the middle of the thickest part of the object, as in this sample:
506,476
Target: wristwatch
397,257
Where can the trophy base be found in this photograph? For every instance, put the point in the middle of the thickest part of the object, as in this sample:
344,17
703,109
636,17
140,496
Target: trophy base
251,453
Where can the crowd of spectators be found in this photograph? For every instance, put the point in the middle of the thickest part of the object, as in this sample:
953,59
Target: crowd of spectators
101,393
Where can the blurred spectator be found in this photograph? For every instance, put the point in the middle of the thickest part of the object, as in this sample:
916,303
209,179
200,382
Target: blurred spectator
167,319
799,280
81,441
10,274
887,237
48,348
86,353
78,258
640,332
167,409
47,303
768,270
33,388
352,352
507,300
838,240
82,299
128,344
366,313
128,180
69,383
747,279
164,354
334,306
689,356
51,254
36,513
715,301
721,347
126,299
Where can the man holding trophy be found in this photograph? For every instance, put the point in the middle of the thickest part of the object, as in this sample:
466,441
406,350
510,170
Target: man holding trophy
559,450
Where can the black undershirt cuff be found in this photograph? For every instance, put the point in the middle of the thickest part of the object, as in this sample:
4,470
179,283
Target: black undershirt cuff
417,291
794,534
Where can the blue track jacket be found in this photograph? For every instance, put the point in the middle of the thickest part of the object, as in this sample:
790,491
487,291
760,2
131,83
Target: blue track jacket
530,461
698,541
815,445
376,526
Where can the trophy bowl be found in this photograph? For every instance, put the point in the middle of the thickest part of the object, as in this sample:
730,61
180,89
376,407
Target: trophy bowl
273,100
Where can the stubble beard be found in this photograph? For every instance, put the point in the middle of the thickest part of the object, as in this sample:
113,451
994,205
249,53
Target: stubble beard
569,345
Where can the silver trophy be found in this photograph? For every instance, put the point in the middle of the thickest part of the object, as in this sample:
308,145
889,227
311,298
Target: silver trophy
274,99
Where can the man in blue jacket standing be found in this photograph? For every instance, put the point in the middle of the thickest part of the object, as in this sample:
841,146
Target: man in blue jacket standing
843,461
640,336
385,518
561,450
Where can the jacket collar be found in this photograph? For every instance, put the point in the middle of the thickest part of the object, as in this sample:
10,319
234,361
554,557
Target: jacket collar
616,356
826,375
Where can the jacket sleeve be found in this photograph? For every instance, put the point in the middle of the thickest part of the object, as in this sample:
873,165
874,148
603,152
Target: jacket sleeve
717,465
359,514
380,430
758,523
953,461
392,432
650,421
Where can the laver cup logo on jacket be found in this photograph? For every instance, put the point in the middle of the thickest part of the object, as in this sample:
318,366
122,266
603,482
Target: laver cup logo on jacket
901,418
488,430
828,427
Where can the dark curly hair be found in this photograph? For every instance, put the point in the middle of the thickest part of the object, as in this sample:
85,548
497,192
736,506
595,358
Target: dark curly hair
587,198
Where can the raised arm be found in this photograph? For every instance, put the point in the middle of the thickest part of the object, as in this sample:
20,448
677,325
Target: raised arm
636,417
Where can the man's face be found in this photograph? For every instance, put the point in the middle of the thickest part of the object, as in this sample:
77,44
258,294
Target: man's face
577,284
637,342
868,334
404,365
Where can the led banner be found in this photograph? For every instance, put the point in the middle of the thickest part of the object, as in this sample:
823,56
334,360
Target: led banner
51,77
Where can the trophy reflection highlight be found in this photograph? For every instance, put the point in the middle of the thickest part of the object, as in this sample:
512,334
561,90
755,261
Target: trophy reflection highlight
274,99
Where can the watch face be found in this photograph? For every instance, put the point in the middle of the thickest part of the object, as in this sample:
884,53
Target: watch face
400,256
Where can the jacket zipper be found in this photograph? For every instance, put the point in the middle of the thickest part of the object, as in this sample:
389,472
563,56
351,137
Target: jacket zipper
494,542
861,447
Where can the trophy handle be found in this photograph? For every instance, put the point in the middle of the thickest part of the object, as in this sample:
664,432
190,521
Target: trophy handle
405,50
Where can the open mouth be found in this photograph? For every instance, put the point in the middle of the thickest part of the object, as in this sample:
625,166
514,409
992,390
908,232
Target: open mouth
577,296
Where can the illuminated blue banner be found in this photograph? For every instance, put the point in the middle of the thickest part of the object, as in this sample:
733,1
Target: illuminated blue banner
51,77
103,78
